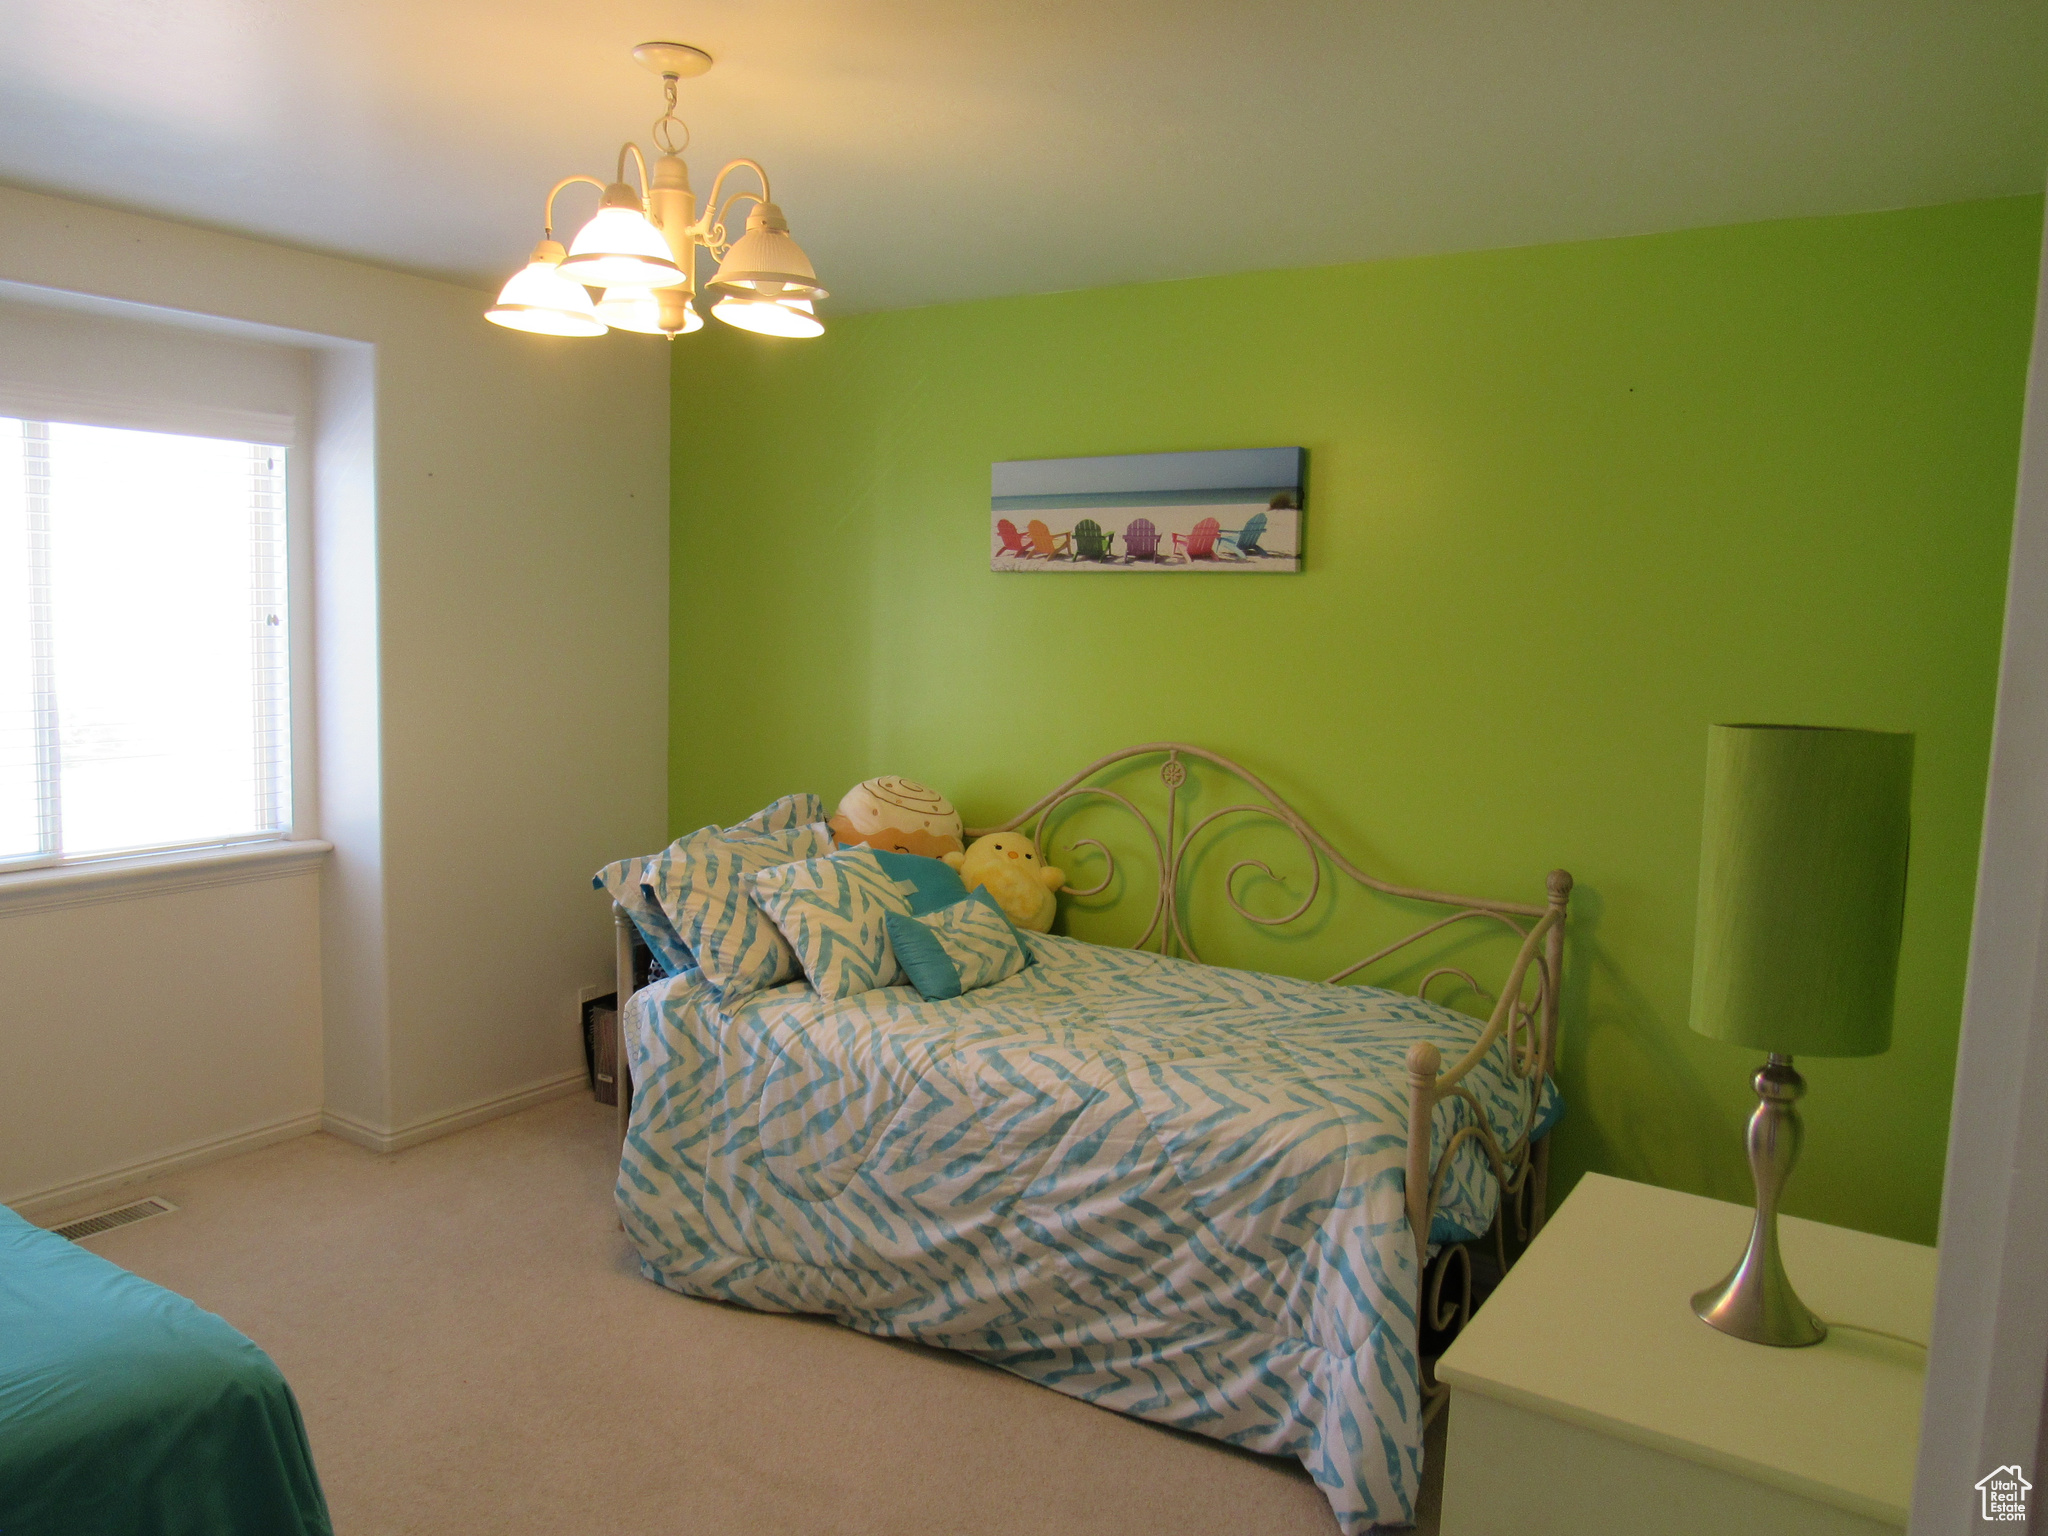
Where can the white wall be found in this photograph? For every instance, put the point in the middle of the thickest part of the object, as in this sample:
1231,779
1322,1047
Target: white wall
137,1029
1989,1360
491,615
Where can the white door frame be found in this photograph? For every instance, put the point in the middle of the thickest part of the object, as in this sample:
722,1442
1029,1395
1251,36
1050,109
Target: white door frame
1989,1362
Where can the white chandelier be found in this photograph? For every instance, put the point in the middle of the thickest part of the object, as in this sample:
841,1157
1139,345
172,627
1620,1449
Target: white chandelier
640,247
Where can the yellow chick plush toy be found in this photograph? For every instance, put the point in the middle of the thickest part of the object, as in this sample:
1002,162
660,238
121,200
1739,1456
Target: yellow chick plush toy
1007,864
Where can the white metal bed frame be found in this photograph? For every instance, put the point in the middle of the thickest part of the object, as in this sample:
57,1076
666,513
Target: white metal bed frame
1524,1011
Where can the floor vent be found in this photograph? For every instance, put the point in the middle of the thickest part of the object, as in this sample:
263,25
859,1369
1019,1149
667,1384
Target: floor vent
119,1216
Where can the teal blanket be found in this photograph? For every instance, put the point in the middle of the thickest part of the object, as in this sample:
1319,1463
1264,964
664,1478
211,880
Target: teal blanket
124,1408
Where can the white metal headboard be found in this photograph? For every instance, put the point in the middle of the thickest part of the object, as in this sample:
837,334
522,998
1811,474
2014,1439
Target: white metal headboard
1172,835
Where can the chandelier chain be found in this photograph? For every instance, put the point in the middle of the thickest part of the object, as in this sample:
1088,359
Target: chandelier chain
665,125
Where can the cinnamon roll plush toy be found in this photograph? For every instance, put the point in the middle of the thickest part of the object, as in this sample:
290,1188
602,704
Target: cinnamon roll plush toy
898,816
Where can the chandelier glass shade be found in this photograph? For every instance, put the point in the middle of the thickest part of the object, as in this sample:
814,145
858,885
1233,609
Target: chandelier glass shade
641,246
769,317
618,248
540,299
766,263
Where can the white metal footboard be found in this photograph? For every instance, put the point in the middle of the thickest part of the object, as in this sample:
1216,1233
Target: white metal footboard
1521,1170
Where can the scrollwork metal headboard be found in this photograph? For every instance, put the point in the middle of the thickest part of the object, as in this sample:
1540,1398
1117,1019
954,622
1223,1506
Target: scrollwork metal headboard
1173,844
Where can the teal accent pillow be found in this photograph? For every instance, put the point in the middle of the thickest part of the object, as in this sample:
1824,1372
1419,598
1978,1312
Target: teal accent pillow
929,883
833,912
959,948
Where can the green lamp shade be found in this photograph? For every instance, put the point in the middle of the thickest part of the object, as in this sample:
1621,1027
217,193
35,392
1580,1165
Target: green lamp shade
1802,888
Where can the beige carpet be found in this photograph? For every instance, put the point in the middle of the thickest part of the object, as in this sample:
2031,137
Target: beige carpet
475,1353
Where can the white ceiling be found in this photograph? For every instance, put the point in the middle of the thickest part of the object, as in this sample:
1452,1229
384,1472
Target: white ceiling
928,151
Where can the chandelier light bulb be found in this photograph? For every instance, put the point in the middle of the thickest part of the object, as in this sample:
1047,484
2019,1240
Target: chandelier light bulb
769,317
630,309
651,311
678,311
540,299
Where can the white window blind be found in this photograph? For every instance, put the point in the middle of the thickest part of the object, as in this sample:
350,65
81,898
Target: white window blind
144,641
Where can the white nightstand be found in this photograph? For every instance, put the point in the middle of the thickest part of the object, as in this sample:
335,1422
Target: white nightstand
1587,1398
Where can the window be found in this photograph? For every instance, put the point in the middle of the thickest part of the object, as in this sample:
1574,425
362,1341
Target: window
144,642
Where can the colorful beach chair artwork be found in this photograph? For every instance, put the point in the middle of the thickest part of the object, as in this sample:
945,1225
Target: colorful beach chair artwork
1200,544
1245,540
1090,542
1043,541
1205,512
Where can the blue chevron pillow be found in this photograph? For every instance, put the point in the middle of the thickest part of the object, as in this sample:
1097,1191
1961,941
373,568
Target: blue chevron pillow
701,883
834,911
959,948
783,815
625,882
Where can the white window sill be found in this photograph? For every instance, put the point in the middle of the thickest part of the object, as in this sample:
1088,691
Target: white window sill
155,874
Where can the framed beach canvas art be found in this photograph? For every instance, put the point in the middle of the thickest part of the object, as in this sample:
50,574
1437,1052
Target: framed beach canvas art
1233,511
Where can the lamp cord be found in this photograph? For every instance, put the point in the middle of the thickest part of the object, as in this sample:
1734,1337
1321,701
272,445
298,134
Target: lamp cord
1882,1333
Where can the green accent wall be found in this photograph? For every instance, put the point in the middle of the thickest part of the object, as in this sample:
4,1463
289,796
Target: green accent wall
1567,507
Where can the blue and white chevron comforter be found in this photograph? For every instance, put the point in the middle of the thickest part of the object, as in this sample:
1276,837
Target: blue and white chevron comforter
1167,1188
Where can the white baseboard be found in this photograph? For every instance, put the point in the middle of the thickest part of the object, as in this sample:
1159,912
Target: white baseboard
189,1156
378,1139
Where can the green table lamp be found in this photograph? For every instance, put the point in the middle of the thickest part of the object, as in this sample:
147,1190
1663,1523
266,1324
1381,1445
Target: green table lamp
1802,895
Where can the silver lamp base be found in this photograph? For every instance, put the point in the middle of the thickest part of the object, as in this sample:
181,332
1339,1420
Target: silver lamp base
1757,1301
